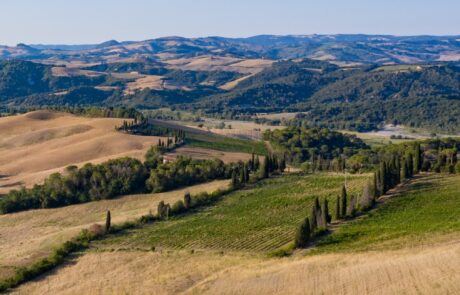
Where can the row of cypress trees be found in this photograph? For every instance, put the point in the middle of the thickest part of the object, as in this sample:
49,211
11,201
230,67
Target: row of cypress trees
389,174
313,225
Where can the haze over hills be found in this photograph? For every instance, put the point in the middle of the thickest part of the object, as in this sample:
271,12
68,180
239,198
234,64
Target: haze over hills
338,48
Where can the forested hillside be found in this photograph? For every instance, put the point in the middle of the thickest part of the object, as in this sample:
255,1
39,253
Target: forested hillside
357,98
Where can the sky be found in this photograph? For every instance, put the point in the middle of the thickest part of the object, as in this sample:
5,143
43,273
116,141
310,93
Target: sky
95,21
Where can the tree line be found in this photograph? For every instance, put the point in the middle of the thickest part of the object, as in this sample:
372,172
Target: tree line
394,168
114,178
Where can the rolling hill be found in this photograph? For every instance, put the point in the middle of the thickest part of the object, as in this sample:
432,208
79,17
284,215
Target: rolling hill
204,260
36,144
341,49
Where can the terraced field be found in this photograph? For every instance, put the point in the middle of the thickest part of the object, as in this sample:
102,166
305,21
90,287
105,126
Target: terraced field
260,219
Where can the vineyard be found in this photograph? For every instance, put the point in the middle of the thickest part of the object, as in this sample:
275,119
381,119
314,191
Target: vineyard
260,219
427,212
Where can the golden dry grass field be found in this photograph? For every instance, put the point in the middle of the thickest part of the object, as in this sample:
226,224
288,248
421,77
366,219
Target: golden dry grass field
426,267
36,144
27,236
432,270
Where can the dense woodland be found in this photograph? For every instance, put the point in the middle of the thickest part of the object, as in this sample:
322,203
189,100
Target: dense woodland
299,145
360,98
114,178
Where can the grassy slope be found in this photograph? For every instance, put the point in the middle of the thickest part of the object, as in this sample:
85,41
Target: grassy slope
260,219
28,236
425,213
226,144
420,270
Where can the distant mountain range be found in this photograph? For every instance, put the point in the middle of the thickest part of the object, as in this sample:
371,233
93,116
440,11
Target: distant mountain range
339,49
342,81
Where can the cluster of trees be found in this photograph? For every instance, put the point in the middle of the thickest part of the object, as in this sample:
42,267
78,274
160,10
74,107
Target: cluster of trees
270,165
301,144
314,225
397,164
144,127
113,178
104,112
441,155
89,183
185,171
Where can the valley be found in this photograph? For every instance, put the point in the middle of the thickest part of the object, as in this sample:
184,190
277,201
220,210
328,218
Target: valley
272,164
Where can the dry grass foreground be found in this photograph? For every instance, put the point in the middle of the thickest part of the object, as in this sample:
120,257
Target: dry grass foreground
27,236
36,144
432,270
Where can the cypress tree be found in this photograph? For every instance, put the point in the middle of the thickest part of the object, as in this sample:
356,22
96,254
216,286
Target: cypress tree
256,163
314,221
303,234
282,165
108,221
417,158
383,177
352,206
274,163
253,161
161,209
337,209
375,188
234,179
187,200
344,201
325,213
265,168
378,185
410,162
404,170
242,176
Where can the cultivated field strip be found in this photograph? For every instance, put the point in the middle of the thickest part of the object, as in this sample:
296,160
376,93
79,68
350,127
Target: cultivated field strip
260,219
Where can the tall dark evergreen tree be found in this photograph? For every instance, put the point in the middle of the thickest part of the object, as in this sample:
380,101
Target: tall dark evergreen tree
235,182
337,208
383,178
314,220
108,220
325,213
410,164
303,233
343,198
265,168
375,187
256,163
187,200
417,158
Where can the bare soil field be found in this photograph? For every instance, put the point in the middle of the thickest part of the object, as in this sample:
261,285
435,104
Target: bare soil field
152,82
31,235
34,145
232,84
72,72
221,63
432,270
205,154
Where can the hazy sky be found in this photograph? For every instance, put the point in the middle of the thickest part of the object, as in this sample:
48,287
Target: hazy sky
94,21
